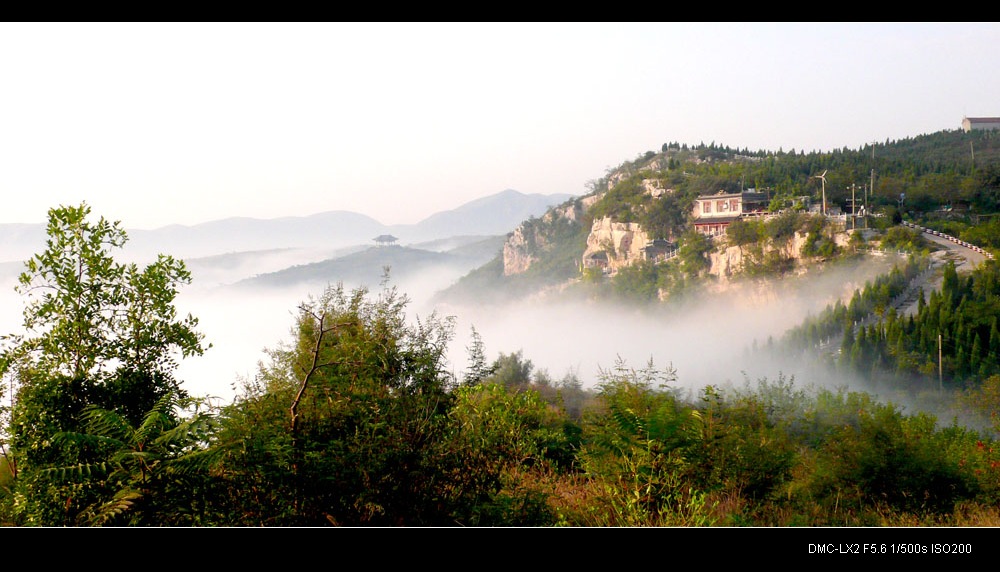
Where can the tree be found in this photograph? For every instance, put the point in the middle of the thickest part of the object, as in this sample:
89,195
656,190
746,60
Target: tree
742,232
152,473
637,283
478,369
950,285
358,422
693,252
347,424
95,332
512,370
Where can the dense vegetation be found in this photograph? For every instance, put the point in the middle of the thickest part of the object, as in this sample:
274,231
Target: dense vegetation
358,421
934,175
960,320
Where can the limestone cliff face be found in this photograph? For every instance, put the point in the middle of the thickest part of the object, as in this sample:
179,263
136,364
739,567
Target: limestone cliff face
531,237
622,242
727,261
518,250
616,245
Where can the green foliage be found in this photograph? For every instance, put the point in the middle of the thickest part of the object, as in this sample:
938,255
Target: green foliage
742,232
623,202
693,253
883,458
83,309
737,445
857,241
984,400
986,234
592,276
986,196
336,428
903,238
500,432
96,333
782,228
147,475
899,352
478,370
632,448
511,370
638,283
818,241
357,422
666,216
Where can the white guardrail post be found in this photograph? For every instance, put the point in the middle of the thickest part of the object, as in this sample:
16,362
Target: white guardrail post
988,255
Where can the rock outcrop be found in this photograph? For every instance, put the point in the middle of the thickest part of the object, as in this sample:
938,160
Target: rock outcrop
727,261
533,236
615,244
519,249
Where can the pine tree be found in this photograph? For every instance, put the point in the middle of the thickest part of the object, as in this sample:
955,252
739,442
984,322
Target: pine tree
994,342
846,346
975,355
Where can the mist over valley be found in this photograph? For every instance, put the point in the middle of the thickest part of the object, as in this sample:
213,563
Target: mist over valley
246,300
594,326
707,340
467,275
248,276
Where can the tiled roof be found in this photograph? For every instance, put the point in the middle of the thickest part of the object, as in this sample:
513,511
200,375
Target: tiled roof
714,220
745,195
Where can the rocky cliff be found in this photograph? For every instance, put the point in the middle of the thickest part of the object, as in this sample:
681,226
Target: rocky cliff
728,261
519,251
614,245
532,237
621,242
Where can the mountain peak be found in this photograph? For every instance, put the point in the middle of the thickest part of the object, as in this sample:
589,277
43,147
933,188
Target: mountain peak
492,214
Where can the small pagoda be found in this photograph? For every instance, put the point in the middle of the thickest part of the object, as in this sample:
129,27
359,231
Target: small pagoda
385,240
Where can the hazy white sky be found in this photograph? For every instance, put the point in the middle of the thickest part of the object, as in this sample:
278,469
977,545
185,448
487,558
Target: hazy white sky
161,123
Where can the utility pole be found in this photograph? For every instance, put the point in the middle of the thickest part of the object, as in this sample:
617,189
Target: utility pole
940,368
854,210
872,185
873,172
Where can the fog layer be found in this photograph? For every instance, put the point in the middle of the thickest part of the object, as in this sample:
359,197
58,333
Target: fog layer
706,340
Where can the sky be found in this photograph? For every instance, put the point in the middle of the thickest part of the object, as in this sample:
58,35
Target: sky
153,124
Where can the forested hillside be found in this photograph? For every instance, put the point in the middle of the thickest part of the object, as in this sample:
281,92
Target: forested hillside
949,175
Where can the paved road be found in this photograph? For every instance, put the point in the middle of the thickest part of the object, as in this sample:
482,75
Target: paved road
966,258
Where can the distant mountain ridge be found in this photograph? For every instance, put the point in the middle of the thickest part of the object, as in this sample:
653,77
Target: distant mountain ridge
496,214
366,267
493,215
